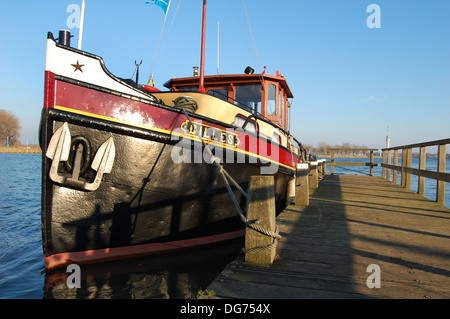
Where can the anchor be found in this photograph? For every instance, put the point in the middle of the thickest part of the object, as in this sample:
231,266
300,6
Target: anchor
58,151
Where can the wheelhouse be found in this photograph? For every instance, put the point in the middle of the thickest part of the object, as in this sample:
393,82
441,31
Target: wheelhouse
263,95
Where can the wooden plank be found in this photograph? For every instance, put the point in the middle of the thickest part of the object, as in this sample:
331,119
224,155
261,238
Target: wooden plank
416,145
445,177
352,222
351,164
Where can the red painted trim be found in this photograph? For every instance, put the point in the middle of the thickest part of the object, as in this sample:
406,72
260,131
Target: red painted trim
108,254
49,90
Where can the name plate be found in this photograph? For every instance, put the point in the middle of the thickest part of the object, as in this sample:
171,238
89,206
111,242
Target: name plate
303,166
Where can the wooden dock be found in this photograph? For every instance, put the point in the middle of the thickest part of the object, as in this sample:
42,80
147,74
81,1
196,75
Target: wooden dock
352,222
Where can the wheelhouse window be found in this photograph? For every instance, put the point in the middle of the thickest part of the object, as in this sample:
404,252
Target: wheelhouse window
188,89
272,100
248,96
220,93
281,107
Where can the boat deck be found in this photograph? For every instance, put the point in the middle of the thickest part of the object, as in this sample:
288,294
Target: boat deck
352,222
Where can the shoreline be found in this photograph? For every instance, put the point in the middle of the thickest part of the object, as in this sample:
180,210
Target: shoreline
20,150
349,156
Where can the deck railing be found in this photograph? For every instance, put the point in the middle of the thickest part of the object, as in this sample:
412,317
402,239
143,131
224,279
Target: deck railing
406,169
370,163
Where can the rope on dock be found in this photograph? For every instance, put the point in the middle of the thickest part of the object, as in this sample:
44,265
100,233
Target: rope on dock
275,237
225,176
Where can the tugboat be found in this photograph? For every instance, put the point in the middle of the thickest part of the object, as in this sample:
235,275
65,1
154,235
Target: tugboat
129,170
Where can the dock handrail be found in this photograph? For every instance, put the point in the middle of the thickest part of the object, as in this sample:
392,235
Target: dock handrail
371,163
406,167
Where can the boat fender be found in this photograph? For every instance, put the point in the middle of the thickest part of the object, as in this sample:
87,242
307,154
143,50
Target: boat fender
149,88
186,102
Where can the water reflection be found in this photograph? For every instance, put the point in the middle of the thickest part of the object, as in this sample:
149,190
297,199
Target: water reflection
175,276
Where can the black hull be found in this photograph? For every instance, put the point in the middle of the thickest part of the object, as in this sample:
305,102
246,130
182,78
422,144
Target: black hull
146,198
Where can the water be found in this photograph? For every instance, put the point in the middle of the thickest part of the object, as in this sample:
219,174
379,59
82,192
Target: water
22,271
430,184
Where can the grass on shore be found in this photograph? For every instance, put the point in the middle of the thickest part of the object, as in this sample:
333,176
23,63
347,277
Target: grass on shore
21,150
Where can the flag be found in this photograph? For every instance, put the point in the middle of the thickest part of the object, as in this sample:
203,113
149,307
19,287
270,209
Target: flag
150,81
163,4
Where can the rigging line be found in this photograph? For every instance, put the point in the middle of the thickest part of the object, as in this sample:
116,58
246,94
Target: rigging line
242,30
261,76
167,34
251,33
159,40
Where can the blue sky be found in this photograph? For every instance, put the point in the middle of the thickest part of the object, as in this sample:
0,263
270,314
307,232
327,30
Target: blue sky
349,80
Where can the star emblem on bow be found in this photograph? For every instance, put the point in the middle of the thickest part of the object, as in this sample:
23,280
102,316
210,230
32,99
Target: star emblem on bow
78,67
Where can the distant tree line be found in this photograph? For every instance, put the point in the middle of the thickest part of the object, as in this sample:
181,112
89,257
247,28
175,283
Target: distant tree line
322,149
9,129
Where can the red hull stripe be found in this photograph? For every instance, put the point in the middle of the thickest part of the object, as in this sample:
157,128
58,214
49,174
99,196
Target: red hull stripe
108,254
49,91
88,102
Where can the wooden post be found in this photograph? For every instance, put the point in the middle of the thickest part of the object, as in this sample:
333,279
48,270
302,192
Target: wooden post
371,163
395,177
332,160
440,186
408,164
313,175
302,185
383,170
403,167
261,207
422,165
388,177
290,191
320,169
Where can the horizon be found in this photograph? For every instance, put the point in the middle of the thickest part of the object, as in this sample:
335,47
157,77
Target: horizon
352,72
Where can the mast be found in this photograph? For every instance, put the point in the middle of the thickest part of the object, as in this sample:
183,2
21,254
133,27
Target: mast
80,36
201,87
217,47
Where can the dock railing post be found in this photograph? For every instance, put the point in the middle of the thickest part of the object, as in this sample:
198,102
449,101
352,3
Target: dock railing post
383,170
406,168
395,177
422,165
440,186
261,208
408,165
302,185
388,177
403,167
371,163
313,175
332,160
